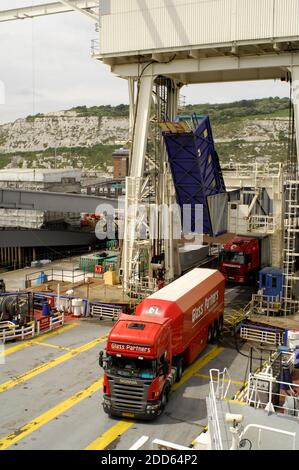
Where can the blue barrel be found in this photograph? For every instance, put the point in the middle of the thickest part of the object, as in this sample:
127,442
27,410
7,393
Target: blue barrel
46,311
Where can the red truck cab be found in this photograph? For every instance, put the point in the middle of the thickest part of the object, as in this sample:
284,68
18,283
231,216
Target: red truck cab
146,353
241,259
137,368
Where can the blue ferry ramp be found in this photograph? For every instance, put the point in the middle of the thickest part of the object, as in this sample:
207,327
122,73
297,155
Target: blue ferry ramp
195,168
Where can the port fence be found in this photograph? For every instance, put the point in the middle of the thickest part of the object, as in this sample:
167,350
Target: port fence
61,275
11,332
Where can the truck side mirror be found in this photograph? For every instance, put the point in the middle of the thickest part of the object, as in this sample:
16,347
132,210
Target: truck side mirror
101,359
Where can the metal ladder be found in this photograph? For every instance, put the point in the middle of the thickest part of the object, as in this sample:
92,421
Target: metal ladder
289,305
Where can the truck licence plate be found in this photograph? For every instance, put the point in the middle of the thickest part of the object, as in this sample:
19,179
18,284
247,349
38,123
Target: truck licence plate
128,415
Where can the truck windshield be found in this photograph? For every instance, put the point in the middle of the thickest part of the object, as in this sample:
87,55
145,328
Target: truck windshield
132,367
234,257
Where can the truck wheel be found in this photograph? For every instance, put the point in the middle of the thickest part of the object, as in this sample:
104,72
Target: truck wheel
221,324
164,400
210,335
180,368
215,331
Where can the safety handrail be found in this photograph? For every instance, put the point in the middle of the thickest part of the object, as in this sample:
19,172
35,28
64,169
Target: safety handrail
269,429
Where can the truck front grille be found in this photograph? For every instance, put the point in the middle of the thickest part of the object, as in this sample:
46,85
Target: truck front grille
128,397
231,272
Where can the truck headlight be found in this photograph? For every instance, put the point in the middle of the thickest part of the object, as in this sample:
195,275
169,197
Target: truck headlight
152,407
106,401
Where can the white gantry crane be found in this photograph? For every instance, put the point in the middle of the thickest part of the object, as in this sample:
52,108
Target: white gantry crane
159,46
89,8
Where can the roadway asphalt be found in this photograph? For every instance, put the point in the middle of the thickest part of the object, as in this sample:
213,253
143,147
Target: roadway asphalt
51,391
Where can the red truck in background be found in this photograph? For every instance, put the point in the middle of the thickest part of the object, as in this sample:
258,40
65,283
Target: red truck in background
243,258
146,353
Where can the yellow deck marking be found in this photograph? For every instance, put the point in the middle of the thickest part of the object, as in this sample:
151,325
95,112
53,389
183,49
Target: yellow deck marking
238,402
49,415
49,365
122,426
110,436
54,346
234,382
26,344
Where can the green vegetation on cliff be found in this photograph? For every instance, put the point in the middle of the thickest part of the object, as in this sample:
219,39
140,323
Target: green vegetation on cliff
266,107
243,130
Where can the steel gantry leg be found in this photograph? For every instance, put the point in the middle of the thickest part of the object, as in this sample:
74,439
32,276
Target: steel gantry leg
151,173
171,248
132,102
141,125
140,111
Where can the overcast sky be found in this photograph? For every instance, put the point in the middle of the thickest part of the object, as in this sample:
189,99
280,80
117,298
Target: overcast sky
45,65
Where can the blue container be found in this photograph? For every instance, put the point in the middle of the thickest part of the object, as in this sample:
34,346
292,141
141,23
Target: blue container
271,281
42,278
46,311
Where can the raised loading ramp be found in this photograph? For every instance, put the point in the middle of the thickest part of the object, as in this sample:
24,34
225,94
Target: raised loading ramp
195,169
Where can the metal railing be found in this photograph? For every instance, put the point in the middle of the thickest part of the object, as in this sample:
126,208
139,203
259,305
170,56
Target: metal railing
257,169
265,391
219,386
71,276
221,382
95,47
103,311
239,435
54,322
262,334
142,289
11,332
268,306
263,224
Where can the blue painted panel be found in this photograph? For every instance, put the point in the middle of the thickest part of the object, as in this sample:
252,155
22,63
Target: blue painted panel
271,281
195,168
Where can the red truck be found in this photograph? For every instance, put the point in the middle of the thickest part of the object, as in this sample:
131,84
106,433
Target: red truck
146,353
243,257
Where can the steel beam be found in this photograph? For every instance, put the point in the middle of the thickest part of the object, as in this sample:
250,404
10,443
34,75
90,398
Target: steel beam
217,68
42,238
47,201
87,13
50,9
